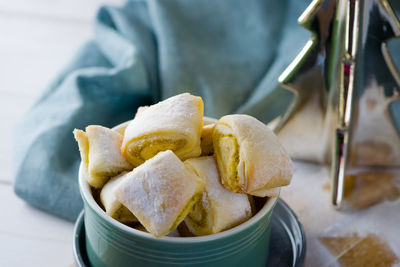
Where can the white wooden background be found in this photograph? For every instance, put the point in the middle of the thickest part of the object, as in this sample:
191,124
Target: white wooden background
37,38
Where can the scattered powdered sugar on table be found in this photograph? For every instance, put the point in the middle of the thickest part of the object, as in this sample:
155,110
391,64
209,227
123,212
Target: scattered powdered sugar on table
309,198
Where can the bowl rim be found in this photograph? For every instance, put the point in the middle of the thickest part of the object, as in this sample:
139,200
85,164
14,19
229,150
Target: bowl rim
86,193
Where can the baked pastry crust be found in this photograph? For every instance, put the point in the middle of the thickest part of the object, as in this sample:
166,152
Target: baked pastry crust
250,158
173,124
206,143
218,209
100,152
160,192
111,204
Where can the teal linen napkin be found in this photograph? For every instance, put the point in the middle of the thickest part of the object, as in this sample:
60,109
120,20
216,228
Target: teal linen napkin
230,52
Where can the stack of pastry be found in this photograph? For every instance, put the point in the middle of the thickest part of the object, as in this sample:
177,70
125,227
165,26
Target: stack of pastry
172,166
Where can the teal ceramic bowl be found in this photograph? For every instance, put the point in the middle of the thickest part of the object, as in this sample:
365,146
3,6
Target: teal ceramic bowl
111,243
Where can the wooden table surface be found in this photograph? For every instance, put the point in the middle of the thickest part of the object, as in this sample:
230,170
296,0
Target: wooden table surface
37,38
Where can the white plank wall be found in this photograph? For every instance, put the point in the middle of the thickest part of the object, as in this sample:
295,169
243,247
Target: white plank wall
37,38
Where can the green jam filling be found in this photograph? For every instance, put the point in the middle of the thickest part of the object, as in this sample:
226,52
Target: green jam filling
227,151
185,211
198,220
199,215
146,149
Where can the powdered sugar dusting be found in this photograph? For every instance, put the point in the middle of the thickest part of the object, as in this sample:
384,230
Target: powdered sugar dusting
181,114
158,190
266,163
104,150
226,207
107,194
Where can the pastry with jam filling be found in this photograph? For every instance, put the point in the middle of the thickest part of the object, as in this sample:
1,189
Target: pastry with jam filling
173,124
101,155
250,158
160,192
218,209
111,204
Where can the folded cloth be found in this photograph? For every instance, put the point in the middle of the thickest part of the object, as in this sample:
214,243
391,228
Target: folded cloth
230,52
